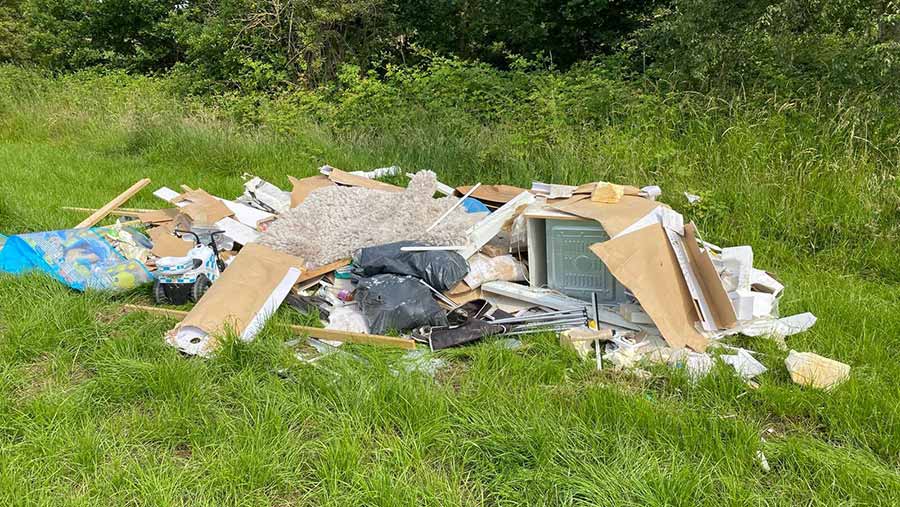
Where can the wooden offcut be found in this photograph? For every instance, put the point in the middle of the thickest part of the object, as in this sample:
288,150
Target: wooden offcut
309,274
102,213
314,332
351,337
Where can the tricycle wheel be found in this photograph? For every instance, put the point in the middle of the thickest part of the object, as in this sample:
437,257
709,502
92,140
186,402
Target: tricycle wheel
199,288
159,293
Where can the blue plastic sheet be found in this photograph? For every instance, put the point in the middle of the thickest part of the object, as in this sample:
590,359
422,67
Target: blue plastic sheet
472,205
80,258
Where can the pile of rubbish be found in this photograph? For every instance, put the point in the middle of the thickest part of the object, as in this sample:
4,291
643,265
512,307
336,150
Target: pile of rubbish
618,275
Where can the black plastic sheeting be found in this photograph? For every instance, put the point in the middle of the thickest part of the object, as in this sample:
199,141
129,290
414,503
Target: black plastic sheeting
399,303
441,270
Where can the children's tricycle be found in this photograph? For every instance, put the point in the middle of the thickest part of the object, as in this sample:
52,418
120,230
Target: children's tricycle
179,279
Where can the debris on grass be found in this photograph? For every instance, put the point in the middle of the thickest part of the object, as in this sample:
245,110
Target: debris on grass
619,276
813,370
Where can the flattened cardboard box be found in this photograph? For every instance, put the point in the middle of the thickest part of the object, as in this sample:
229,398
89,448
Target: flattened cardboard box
203,208
614,217
644,262
304,187
710,283
493,194
352,180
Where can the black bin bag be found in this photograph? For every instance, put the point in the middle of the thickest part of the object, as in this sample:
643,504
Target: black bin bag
392,302
441,270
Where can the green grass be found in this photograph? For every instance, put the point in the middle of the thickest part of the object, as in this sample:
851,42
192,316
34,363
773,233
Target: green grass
96,410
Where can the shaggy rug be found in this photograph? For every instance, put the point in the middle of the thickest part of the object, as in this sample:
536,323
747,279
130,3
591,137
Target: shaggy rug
335,221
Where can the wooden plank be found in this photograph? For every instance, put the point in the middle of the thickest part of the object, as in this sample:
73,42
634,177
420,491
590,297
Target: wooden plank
315,332
119,212
351,337
165,312
101,213
322,270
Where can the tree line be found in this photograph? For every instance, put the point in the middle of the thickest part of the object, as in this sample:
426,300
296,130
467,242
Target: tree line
265,45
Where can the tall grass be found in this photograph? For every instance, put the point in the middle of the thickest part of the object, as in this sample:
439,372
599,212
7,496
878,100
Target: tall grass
95,409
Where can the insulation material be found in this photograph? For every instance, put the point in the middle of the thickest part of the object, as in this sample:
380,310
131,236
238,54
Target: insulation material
488,269
333,222
346,318
607,193
813,370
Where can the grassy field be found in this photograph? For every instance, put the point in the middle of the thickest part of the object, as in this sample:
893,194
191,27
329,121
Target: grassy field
96,410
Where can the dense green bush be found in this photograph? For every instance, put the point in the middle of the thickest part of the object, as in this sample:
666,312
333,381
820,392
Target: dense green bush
798,48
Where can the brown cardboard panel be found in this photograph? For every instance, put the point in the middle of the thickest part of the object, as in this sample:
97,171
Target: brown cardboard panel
165,244
304,187
614,217
243,289
352,180
710,283
495,194
203,208
644,262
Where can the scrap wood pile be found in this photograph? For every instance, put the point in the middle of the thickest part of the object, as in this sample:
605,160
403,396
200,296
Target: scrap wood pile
619,276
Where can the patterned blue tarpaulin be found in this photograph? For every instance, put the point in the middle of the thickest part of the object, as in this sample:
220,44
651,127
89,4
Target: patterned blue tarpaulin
79,258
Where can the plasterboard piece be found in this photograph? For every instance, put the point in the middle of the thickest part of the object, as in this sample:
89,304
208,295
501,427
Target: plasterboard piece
168,195
238,232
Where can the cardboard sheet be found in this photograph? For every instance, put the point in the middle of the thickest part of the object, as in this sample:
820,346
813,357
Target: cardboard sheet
644,262
241,300
304,187
613,217
719,303
203,208
166,244
493,194
158,216
352,180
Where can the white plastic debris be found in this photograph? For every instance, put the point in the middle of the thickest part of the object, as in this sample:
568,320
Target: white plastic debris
692,198
696,364
651,192
785,326
763,462
744,364
346,318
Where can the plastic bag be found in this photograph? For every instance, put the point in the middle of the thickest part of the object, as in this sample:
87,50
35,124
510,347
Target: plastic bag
391,302
440,269
483,269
